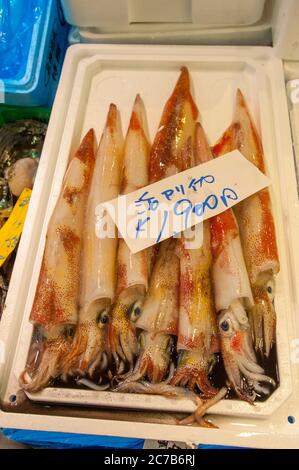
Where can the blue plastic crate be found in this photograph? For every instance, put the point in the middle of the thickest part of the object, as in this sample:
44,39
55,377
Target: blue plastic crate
59,440
39,53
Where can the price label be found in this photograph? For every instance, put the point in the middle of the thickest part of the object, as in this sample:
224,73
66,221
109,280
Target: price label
11,231
170,206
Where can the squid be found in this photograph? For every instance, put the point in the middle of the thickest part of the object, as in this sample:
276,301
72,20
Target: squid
233,299
132,281
98,260
55,312
159,314
198,336
197,333
257,228
175,133
159,318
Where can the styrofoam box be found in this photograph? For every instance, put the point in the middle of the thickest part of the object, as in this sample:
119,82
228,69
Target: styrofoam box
142,14
92,77
292,85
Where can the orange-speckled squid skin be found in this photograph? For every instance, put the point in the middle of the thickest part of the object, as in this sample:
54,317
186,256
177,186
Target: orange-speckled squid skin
98,258
198,335
197,332
159,314
233,298
132,269
159,317
176,126
55,307
257,228
160,309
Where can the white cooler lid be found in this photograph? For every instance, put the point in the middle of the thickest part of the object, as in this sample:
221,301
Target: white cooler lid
136,15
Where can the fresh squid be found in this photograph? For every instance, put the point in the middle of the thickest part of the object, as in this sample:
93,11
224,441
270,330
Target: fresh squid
132,281
198,337
175,133
98,260
97,302
257,228
54,312
159,315
159,318
233,298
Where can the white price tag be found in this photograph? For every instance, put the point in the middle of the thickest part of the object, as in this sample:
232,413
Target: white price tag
170,206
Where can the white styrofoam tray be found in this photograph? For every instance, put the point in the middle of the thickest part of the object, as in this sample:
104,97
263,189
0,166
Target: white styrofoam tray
109,73
292,79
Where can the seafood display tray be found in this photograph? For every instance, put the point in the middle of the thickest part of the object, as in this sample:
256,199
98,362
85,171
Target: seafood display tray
292,73
93,76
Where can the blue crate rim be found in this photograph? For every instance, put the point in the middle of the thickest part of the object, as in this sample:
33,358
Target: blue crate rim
38,40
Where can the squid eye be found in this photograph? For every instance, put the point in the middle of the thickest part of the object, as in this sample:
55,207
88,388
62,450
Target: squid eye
68,331
224,325
134,311
270,289
102,317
